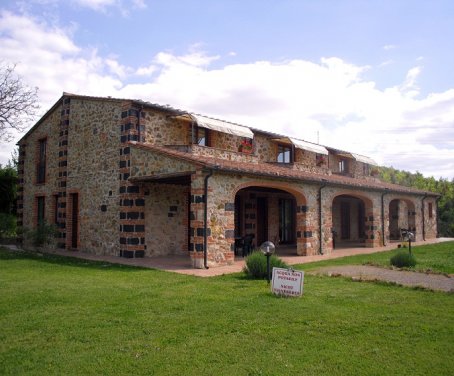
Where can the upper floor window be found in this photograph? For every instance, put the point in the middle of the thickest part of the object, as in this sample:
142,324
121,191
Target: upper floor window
202,136
343,165
41,165
284,154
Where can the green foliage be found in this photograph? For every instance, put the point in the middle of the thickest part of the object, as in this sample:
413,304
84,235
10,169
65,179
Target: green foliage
256,264
403,259
442,186
7,226
8,188
42,234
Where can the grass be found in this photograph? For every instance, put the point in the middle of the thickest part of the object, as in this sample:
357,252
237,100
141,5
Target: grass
67,316
435,258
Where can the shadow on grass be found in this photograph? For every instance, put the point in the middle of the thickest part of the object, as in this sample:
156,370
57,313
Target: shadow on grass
6,254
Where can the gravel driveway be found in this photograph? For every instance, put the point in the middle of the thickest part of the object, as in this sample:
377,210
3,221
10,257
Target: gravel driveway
372,273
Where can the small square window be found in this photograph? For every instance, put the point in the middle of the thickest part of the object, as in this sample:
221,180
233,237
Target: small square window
41,165
343,165
284,154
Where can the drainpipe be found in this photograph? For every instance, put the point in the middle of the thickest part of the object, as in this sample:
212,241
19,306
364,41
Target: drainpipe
423,218
320,215
205,220
383,217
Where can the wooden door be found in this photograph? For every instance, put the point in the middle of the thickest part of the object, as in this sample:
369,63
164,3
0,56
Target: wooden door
345,220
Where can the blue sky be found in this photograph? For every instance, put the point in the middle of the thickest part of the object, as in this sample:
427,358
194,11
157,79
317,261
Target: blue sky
372,77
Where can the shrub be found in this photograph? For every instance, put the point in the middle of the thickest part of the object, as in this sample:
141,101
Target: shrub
256,264
7,225
403,259
43,234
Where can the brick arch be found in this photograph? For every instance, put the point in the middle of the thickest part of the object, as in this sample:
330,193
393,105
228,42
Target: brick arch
405,219
372,229
303,237
297,193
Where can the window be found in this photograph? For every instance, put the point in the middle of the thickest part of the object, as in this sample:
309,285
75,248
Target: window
203,138
366,169
284,154
40,210
430,210
343,165
41,166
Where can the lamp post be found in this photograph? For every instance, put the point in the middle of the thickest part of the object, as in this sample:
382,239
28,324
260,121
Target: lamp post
267,249
410,237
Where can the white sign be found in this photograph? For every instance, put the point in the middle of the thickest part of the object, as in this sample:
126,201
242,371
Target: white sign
287,282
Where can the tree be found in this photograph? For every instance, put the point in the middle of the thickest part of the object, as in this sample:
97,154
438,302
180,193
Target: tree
18,102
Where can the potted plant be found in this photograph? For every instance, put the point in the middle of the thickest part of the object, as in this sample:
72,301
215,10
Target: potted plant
246,146
321,160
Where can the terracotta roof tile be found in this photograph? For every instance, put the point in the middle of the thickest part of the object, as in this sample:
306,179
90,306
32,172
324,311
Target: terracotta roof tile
276,171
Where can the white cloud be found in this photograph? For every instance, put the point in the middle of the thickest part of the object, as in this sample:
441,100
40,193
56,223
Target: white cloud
95,4
146,71
388,47
294,97
103,5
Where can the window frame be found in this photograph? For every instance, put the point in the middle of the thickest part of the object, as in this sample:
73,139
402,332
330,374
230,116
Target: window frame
41,163
282,150
343,166
206,138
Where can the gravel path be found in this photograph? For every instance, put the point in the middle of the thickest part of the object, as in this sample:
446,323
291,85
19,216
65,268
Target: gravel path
372,273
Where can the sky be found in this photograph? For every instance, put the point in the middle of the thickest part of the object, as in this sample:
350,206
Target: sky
370,77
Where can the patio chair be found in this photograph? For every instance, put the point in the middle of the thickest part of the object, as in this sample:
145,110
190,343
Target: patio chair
247,244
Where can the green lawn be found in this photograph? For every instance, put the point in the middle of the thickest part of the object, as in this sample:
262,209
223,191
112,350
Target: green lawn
436,258
61,316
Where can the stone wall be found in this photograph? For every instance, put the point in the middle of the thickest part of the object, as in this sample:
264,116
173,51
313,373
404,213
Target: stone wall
160,129
93,172
166,219
29,189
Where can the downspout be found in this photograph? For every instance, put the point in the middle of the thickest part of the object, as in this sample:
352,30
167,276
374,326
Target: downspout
423,218
383,217
320,216
205,220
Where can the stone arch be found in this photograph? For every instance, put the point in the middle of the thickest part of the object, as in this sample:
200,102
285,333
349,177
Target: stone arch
302,237
352,220
402,215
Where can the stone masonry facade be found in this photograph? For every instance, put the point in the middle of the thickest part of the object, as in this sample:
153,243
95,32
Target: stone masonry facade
135,179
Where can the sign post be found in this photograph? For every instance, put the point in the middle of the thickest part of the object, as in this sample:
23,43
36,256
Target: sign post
287,282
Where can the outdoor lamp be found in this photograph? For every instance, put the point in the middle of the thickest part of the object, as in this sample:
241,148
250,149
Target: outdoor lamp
409,236
267,249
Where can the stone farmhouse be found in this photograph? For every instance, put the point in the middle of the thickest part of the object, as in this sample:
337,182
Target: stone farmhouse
133,179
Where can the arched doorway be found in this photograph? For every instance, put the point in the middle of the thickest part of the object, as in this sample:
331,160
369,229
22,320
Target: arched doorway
271,213
349,218
402,215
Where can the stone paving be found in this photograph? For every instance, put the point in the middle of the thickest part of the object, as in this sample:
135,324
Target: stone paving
182,264
406,278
